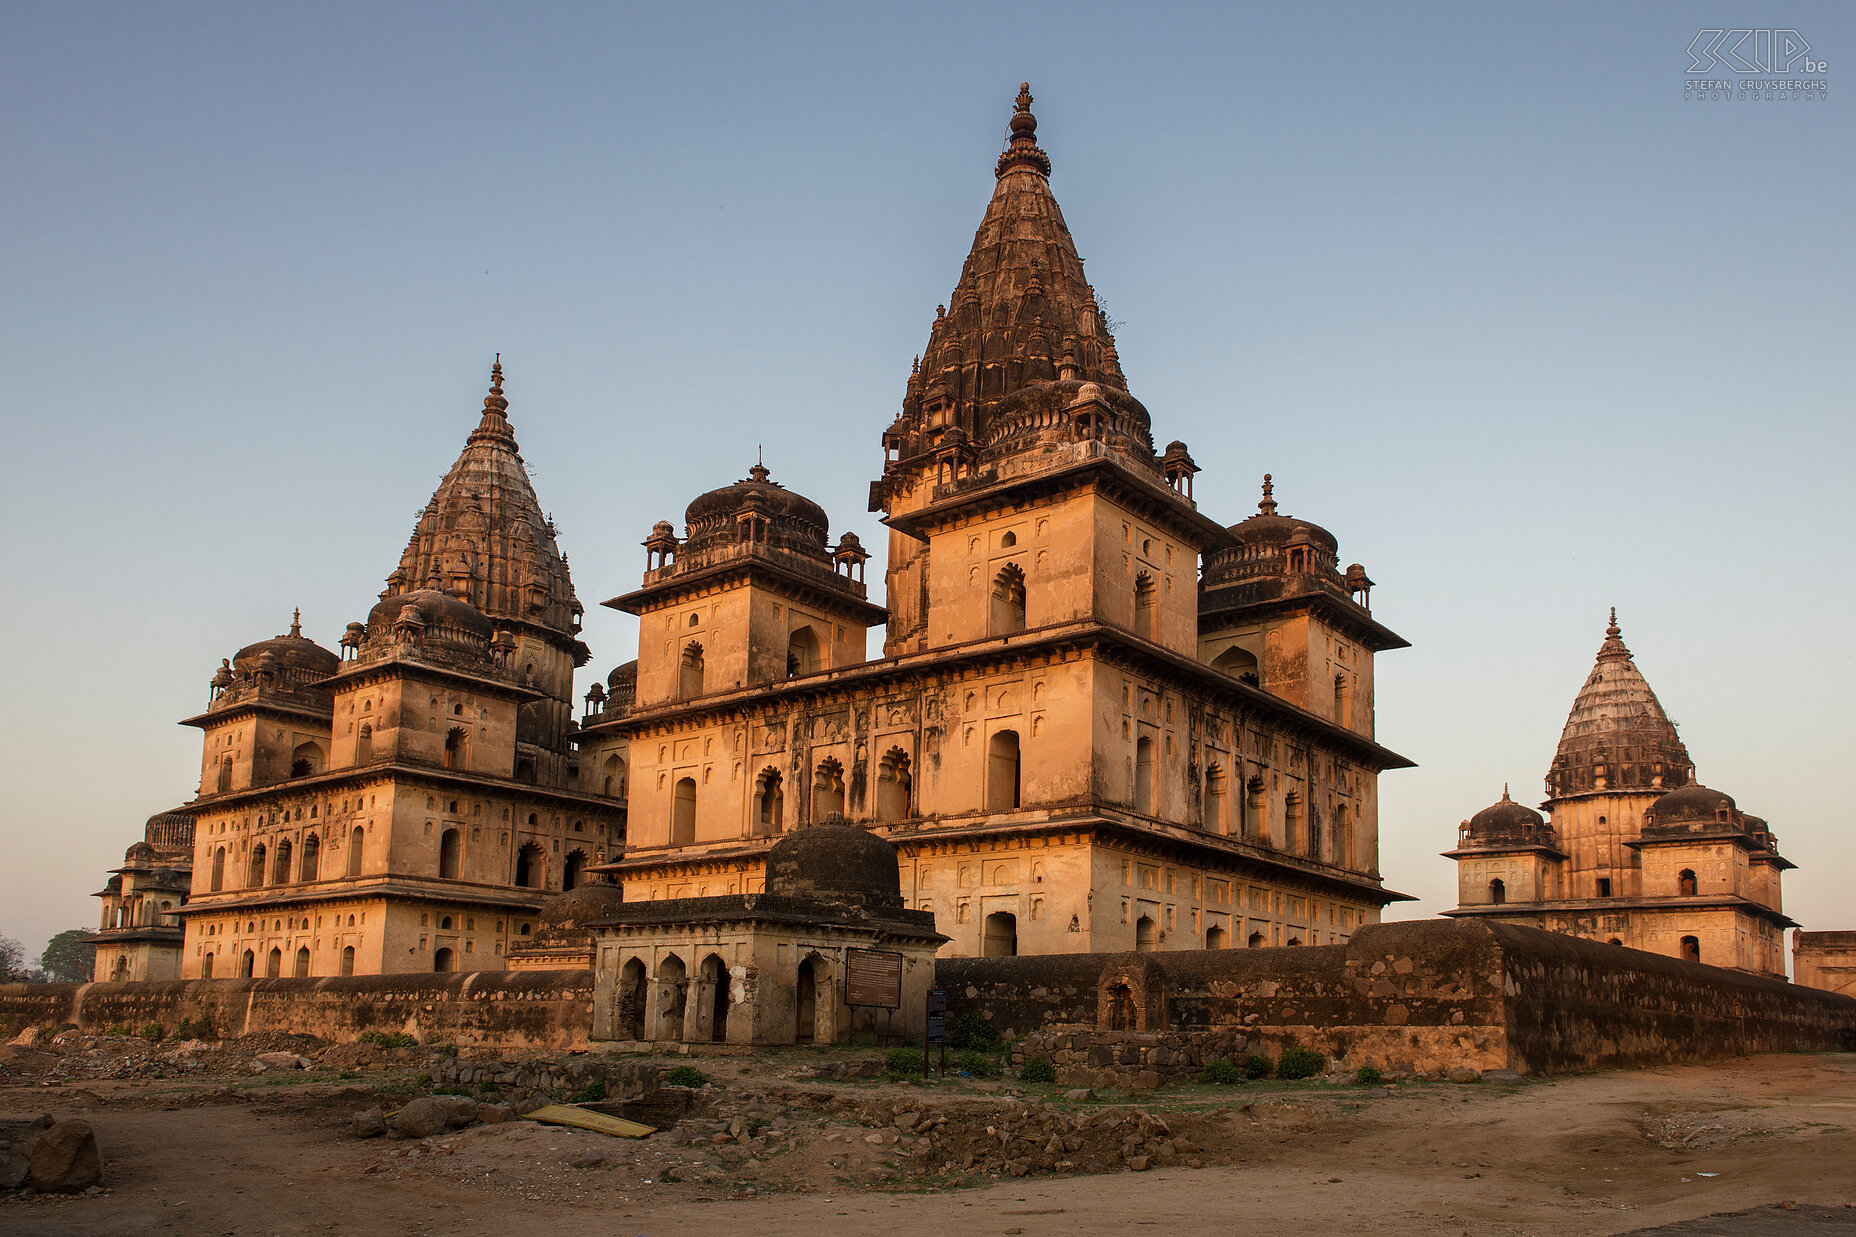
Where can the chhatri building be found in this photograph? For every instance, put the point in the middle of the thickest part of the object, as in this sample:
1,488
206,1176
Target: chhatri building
1103,719
406,803
1636,852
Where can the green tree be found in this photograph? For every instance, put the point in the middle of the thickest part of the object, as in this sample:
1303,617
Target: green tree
67,958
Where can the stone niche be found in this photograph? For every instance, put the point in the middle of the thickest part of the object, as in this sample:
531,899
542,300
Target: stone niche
771,967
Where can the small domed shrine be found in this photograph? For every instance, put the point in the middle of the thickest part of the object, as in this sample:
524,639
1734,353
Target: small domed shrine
140,936
825,951
1637,852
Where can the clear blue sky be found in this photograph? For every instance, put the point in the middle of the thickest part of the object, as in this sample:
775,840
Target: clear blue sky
1530,333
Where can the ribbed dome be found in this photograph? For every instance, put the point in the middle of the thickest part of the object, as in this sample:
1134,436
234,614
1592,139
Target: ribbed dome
836,862
1504,816
437,610
581,905
1617,724
625,673
791,515
295,656
1693,802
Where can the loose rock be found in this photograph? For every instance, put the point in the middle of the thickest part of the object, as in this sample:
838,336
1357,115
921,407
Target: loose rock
65,1158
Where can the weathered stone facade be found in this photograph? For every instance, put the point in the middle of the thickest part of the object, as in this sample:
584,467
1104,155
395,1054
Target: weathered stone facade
140,936
1075,744
408,803
1637,853
1825,960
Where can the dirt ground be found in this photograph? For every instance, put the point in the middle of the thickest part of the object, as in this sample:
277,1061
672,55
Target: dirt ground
214,1149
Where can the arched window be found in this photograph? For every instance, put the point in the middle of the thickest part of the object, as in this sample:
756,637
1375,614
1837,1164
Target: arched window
802,653
769,803
531,867
715,975
1498,892
1239,664
632,998
450,854
246,965
1146,607
254,868
302,962
1146,934
306,760
827,788
1008,600
895,787
683,812
364,744
1001,936
1256,941
1003,791
310,866
219,869
348,960
805,989
1343,700
574,870
673,998
444,960
1144,781
1686,885
614,771
206,967
454,748
1691,948
280,870
274,964
1216,818
225,774
1214,938
357,841
689,673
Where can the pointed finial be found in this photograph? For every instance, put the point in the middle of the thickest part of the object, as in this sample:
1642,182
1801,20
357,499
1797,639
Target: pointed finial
759,472
1504,792
494,401
296,621
1612,628
1021,149
1268,505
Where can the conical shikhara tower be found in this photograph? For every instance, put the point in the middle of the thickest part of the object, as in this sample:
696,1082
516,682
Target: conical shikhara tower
1637,852
1071,746
408,803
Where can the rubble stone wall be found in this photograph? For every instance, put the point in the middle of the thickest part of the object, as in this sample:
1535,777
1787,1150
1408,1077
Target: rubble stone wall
1423,996
528,1009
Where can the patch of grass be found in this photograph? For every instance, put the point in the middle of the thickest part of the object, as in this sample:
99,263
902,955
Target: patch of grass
118,1028
903,1063
349,1075
1299,1062
591,1093
153,1032
1367,1076
451,1089
978,1065
1256,1066
1221,1072
686,1076
388,1039
1038,1069
971,1031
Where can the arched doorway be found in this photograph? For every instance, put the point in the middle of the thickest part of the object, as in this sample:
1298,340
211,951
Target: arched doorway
632,999
1691,948
206,967
574,872
246,965
348,960
1146,934
1001,936
274,964
302,962
806,991
450,854
672,998
683,812
1498,892
1002,776
715,979
1214,938
444,960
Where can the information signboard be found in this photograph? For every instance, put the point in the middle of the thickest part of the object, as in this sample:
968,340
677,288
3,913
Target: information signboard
937,1016
873,977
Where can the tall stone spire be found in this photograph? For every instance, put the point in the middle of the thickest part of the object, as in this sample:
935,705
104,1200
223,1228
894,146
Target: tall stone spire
1023,312
1617,736
483,537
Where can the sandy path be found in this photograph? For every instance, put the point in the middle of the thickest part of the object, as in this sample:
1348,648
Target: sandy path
1586,1155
